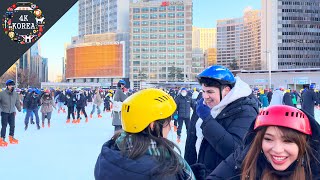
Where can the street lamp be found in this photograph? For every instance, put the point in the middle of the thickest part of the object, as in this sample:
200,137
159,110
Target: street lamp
16,75
269,66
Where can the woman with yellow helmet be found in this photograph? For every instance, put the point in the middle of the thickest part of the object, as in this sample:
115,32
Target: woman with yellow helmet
142,151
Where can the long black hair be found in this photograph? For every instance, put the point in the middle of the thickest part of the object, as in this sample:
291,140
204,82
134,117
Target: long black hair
169,159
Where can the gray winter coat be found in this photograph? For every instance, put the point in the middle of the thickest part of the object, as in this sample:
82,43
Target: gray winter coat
116,116
9,101
47,104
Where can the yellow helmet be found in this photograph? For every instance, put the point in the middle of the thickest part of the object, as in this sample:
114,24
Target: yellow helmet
144,107
288,90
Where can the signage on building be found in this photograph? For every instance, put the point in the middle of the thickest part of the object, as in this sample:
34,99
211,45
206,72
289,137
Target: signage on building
171,3
301,80
260,81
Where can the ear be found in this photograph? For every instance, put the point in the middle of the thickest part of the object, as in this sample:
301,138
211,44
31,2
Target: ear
151,126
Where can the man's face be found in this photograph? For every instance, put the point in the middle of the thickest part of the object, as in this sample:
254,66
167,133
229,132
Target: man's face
211,95
10,87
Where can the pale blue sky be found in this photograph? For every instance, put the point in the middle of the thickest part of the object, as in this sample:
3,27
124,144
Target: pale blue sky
205,14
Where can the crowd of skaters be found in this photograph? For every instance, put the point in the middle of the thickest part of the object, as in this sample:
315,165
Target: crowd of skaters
71,101
231,134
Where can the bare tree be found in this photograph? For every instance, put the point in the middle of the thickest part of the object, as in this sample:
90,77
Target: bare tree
25,78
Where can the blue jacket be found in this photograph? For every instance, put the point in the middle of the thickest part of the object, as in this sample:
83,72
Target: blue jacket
225,133
111,164
231,168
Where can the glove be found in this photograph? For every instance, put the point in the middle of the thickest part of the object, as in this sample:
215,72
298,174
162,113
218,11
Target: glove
175,116
24,110
203,111
199,171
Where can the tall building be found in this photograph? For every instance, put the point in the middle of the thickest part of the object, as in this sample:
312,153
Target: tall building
210,57
33,63
290,34
198,62
204,38
96,17
160,37
44,70
238,40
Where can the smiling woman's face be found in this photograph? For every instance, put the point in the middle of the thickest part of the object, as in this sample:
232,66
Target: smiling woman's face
280,152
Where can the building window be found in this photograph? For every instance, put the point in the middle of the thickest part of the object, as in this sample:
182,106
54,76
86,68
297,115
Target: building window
136,10
144,23
171,8
153,23
162,22
162,15
180,14
145,16
171,42
171,15
136,30
136,43
136,36
153,9
136,23
153,16
153,43
180,21
171,29
136,63
162,36
145,30
153,29
171,49
136,49
162,42
180,8
153,36
136,16
180,28
144,10
162,9
171,22
162,29
179,35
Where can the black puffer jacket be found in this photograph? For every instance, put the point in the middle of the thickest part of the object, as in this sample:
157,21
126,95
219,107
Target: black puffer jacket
111,164
81,100
190,154
183,106
225,133
231,167
31,102
309,98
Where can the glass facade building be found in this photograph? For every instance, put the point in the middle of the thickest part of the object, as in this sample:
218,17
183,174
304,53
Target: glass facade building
160,38
240,39
291,34
100,16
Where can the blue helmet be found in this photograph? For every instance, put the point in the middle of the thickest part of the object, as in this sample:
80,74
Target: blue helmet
37,91
30,90
122,82
312,86
10,82
218,73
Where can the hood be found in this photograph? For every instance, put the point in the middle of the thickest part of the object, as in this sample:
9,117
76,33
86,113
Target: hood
111,160
240,89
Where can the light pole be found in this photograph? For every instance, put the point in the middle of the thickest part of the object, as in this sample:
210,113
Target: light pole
16,75
269,66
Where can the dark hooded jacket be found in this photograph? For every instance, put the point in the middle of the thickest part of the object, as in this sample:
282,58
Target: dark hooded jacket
111,164
224,134
309,98
231,167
